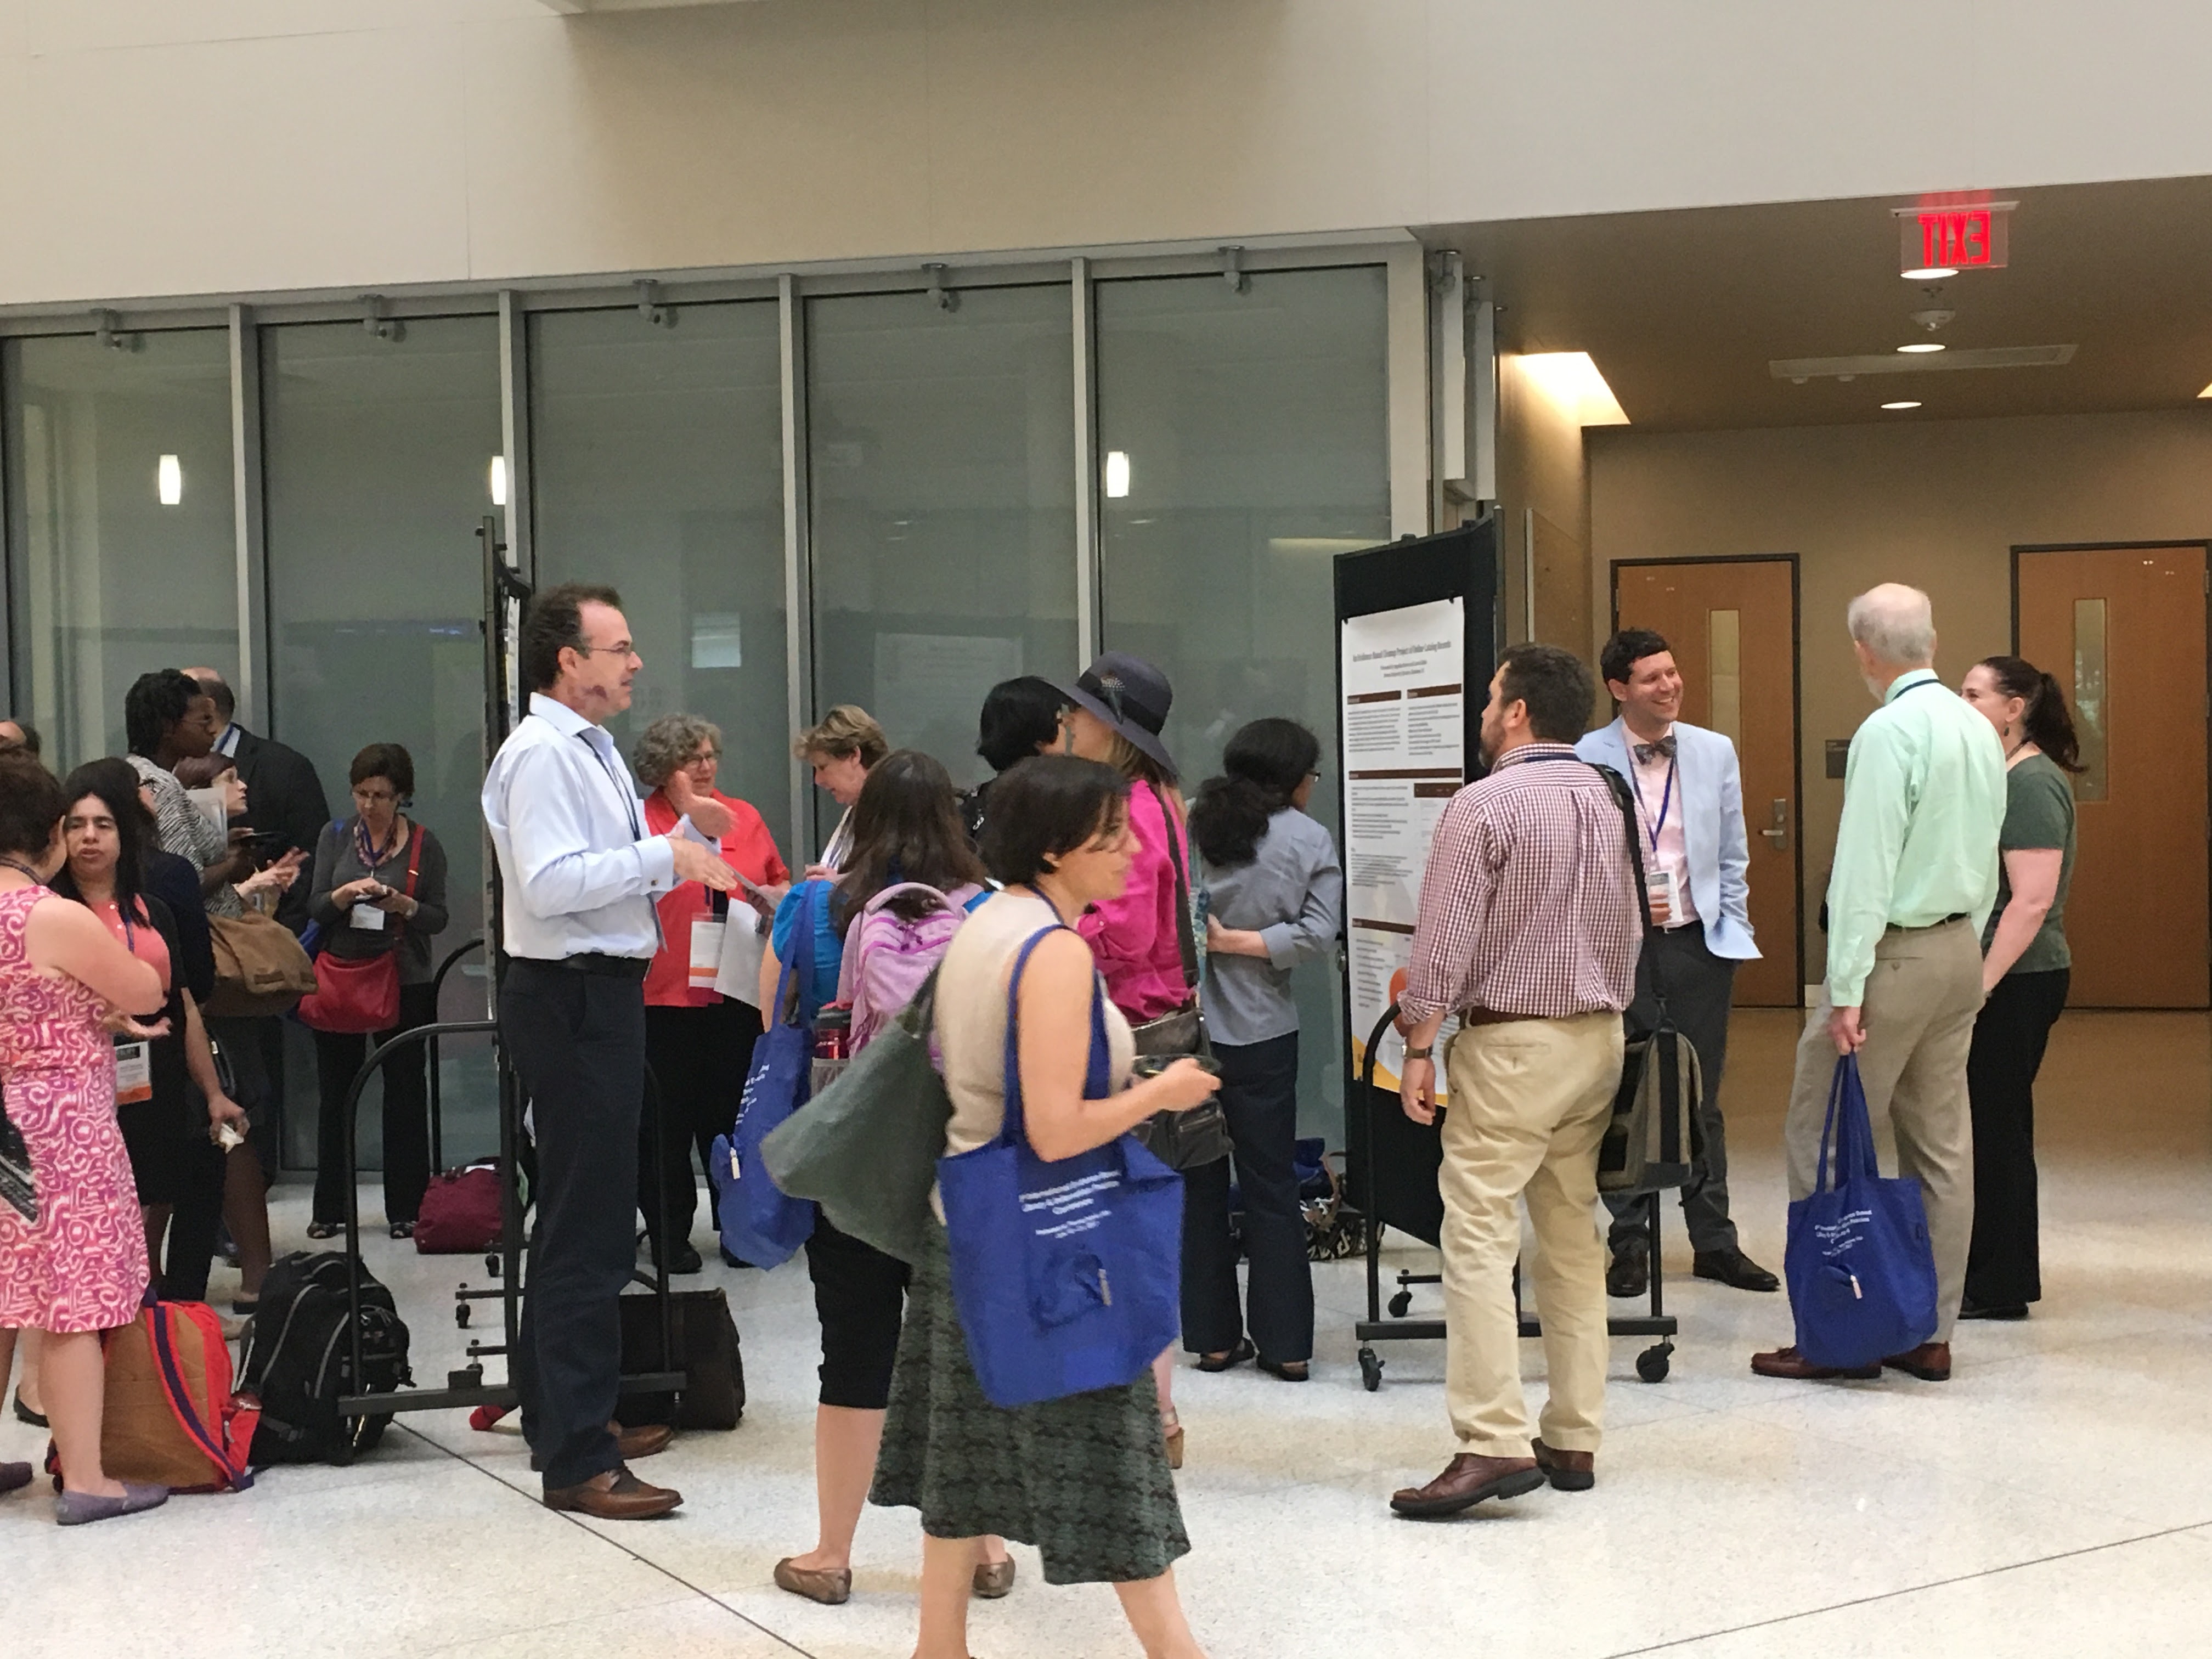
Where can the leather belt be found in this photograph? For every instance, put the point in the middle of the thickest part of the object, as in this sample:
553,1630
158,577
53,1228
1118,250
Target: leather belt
1956,915
594,963
1490,1017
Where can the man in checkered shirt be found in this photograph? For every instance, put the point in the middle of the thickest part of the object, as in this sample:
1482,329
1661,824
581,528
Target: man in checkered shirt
1529,930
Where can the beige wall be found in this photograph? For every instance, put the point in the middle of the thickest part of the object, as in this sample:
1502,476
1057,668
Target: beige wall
155,146
1541,468
1938,504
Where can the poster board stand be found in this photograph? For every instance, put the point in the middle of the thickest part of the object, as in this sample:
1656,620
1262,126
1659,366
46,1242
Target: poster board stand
1418,640
1417,632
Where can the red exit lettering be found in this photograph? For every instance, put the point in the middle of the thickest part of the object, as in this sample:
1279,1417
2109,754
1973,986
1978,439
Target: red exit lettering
1961,238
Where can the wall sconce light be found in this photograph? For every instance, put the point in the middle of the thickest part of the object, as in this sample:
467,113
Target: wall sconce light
169,481
499,481
1117,473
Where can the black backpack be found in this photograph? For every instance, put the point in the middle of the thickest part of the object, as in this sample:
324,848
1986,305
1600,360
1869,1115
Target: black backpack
300,1362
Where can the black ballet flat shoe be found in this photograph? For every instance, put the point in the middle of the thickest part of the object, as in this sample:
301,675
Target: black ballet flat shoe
24,1414
1222,1362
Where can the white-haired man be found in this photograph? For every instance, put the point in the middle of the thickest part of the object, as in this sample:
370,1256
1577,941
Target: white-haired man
1915,875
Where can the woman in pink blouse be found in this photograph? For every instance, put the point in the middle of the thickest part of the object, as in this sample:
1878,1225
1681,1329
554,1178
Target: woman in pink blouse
1116,710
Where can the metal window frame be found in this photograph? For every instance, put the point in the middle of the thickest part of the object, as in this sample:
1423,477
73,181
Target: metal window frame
1411,376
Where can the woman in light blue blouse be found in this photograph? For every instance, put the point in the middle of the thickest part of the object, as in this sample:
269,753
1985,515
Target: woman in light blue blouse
1275,898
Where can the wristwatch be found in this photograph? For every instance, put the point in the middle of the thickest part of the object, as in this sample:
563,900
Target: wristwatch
1422,1053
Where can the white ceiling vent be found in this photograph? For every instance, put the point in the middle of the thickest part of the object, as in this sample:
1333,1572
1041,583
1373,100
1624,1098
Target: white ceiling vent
1802,369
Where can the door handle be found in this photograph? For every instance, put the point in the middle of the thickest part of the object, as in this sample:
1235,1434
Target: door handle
1778,832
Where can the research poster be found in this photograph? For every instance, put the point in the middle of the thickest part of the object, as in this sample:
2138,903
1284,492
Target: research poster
1403,726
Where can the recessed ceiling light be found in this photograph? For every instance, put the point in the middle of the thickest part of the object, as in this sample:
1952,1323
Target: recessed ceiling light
1919,346
1903,404
2207,393
1928,274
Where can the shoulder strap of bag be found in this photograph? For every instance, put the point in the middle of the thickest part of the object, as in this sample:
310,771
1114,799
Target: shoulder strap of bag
1626,802
1185,944
413,869
1011,1130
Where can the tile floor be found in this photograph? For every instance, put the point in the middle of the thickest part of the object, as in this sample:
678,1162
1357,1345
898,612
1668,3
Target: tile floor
2055,1498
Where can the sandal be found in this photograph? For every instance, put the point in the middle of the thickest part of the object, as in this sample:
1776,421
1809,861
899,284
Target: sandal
403,1229
1222,1362
324,1229
1291,1370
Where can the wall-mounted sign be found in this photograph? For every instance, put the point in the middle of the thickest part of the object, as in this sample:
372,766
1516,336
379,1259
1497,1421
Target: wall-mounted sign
1951,238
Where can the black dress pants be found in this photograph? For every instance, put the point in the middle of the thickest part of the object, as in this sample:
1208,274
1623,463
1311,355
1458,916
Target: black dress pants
1260,1098
1700,987
2004,1268
577,1042
700,1057
405,1076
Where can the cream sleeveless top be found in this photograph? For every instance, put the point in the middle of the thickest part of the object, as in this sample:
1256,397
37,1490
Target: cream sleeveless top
971,1017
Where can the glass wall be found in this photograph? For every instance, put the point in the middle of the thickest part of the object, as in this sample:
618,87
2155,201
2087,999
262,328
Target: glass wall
1241,438
1242,441
657,466
378,456
942,457
119,483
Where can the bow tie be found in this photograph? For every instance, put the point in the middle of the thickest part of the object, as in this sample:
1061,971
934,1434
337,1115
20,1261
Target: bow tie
1648,752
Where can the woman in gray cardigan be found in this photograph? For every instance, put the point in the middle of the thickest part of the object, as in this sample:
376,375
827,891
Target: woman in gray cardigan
1275,898
379,885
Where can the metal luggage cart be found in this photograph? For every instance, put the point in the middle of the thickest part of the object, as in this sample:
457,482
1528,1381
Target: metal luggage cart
1407,1210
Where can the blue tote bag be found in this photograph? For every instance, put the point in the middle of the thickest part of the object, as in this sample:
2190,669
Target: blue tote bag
1065,1275
1860,1269
759,1223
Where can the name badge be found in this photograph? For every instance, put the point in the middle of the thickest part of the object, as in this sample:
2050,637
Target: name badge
1666,900
706,952
368,918
134,1073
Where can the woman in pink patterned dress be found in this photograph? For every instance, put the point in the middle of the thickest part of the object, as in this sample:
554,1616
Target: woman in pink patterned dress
81,1268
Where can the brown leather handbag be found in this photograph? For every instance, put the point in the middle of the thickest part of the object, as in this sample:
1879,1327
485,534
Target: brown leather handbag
259,968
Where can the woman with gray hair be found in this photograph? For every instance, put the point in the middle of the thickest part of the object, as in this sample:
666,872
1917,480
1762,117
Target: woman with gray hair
698,1042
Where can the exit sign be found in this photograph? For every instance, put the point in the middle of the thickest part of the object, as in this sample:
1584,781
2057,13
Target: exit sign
1966,237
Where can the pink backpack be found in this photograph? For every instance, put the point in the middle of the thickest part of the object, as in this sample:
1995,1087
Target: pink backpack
887,956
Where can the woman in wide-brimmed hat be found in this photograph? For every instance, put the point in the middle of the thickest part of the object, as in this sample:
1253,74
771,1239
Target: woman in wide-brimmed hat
1116,710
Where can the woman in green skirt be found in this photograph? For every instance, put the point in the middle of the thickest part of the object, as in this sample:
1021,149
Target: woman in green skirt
1084,1479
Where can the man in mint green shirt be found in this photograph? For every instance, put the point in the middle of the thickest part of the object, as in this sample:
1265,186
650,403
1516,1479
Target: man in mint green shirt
1914,879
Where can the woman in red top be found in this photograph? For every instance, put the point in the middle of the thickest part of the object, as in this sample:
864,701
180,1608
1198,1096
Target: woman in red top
698,1042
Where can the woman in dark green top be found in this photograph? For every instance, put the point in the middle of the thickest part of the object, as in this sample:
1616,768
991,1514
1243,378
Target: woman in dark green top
2024,969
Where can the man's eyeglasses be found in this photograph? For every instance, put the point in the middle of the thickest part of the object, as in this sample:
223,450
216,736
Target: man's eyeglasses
628,648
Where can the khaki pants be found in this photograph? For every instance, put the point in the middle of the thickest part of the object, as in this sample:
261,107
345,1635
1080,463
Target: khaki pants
1921,1002
1529,1102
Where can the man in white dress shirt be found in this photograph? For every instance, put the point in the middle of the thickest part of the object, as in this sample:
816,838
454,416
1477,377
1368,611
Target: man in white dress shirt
578,875
1689,800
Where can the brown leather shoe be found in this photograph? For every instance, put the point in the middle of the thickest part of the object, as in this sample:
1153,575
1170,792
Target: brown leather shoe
617,1495
995,1579
1567,1471
1466,1481
643,1440
831,1586
1930,1362
630,1444
1788,1362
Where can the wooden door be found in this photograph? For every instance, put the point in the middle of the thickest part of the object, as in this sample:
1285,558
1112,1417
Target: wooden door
1733,626
2122,629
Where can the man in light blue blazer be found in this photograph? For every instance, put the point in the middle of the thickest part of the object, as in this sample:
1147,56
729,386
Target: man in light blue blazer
1689,796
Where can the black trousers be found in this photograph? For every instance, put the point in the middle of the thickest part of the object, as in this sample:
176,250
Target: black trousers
1260,1098
577,1042
860,1297
699,1057
195,1222
2004,1265
1700,986
339,1056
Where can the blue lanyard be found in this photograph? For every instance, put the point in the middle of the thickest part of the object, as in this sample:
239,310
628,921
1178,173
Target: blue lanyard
629,795
1666,799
